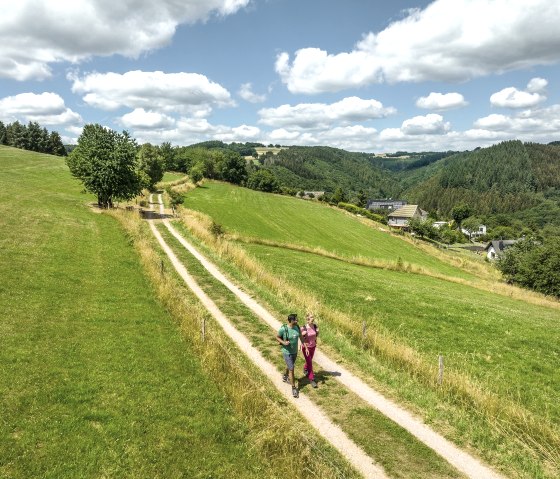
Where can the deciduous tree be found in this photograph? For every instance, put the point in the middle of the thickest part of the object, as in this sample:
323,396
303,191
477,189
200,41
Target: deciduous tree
105,162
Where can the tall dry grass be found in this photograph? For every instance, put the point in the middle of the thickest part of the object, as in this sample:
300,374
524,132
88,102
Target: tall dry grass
532,433
272,429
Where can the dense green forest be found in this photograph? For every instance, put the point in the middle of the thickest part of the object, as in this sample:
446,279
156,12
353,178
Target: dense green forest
518,180
326,169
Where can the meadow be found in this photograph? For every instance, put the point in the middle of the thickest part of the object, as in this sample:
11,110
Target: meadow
308,223
97,378
500,346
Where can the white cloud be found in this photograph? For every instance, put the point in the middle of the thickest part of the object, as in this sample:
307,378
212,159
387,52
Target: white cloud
241,133
187,131
441,101
431,124
180,92
320,115
513,98
76,30
529,125
536,85
449,40
493,122
246,92
141,119
45,108
281,134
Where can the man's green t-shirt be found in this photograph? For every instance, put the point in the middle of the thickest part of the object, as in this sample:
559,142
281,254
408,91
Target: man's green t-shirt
291,334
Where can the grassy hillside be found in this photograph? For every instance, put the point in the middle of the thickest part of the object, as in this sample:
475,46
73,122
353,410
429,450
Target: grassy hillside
96,379
289,220
501,353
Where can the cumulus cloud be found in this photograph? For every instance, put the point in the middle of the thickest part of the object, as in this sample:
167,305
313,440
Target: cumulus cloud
45,108
141,119
449,40
529,124
431,124
246,92
127,27
319,115
441,101
187,130
513,98
537,85
167,92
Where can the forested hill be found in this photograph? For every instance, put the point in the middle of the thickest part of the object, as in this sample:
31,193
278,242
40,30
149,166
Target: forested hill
324,168
510,177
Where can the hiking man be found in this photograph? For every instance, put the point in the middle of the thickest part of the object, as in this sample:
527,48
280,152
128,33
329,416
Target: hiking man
288,336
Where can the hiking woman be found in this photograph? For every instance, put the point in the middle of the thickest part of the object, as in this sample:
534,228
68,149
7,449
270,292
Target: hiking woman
288,336
309,332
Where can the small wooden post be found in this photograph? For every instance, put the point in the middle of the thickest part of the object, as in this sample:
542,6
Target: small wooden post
440,375
162,267
364,331
203,328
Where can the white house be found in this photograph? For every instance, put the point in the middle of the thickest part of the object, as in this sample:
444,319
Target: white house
400,218
475,234
495,248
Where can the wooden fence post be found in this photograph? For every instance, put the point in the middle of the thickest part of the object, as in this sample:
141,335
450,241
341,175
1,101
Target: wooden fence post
203,328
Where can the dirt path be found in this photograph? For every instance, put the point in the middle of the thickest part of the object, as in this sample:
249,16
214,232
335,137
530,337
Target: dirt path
464,462
326,428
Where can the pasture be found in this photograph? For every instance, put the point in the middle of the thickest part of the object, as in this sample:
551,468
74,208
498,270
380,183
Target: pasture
500,344
96,378
311,224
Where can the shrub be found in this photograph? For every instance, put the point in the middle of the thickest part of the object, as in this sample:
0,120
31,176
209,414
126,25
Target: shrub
362,211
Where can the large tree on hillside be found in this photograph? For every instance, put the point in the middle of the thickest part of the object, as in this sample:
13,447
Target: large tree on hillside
105,162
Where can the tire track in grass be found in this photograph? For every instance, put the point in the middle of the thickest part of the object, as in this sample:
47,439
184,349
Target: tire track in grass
461,460
324,426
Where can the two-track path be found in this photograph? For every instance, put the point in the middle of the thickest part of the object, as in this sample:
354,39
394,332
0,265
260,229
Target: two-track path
462,461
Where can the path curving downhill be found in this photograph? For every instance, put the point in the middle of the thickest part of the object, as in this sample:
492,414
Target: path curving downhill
461,460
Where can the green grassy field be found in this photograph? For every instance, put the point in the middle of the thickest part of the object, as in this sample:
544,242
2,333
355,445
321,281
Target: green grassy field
290,220
508,347
96,379
484,335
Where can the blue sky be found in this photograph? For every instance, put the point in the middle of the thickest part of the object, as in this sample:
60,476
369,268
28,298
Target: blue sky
375,76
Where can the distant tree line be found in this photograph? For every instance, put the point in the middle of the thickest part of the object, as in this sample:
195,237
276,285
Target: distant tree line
31,137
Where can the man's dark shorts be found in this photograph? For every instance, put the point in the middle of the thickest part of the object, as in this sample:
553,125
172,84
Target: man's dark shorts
290,360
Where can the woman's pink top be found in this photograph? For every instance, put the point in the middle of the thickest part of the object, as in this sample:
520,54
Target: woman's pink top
309,335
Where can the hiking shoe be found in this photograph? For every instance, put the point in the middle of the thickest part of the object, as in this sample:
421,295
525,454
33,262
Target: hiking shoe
285,378
295,392
313,383
305,372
